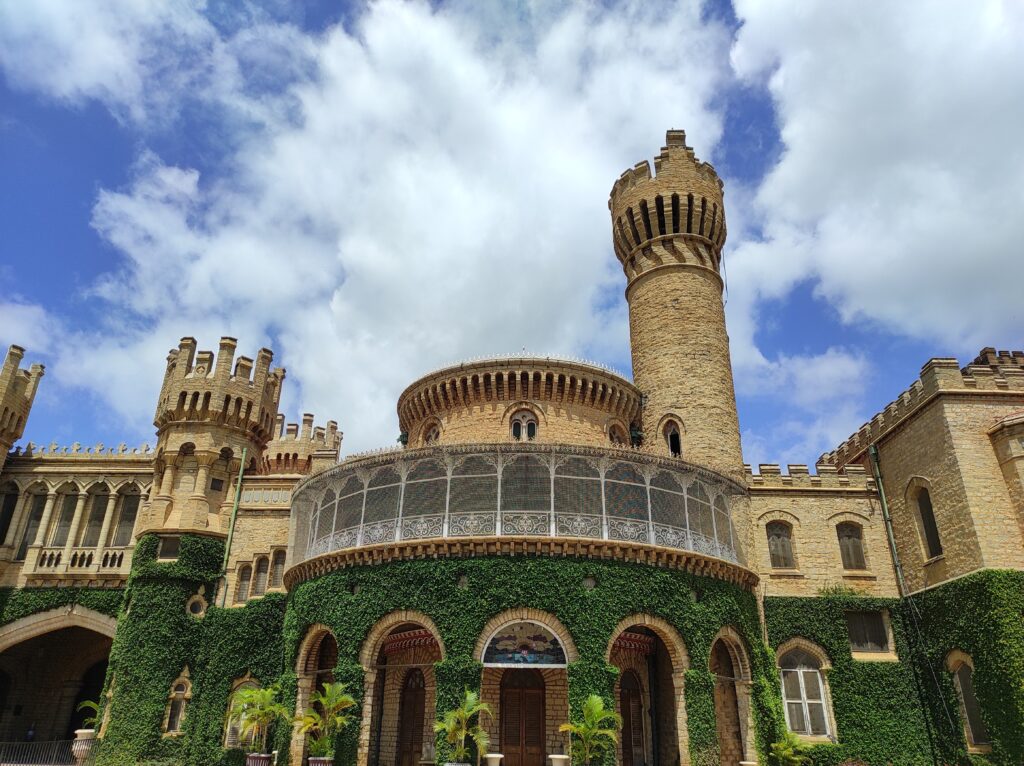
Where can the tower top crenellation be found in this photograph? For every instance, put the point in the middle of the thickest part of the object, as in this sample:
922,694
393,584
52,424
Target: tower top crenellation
17,391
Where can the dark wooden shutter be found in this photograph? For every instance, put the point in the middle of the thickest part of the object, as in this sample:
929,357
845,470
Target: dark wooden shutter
631,707
522,718
410,718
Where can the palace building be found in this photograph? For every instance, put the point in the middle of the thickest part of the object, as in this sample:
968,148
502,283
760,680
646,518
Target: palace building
547,529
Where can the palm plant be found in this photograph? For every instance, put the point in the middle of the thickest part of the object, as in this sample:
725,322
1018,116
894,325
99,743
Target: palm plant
90,721
255,711
596,733
788,751
326,718
463,723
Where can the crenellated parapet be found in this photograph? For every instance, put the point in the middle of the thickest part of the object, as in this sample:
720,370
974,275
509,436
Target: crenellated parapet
770,476
301,451
238,394
674,217
991,373
17,391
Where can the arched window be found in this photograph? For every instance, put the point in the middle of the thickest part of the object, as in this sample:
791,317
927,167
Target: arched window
98,502
432,434
35,518
244,579
177,702
126,518
673,439
851,545
259,585
277,570
780,545
617,435
8,503
970,711
803,692
524,426
232,736
929,529
67,503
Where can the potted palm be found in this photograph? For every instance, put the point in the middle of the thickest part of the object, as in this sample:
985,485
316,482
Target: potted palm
324,720
463,723
255,711
596,734
84,737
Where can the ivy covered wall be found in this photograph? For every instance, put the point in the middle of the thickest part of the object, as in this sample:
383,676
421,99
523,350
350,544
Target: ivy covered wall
907,712
16,603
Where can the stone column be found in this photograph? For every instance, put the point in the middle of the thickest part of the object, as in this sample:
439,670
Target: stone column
76,522
116,502
44,523
19,514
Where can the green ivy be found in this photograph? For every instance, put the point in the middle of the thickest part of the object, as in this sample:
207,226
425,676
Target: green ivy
16,603
907,712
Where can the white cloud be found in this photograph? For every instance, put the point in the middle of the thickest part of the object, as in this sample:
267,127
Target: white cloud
902,175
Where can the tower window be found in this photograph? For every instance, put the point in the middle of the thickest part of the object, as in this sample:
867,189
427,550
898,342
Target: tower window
970,710
928,526
432,434
780,545
617,435
868,631
673,439
177,702
524,426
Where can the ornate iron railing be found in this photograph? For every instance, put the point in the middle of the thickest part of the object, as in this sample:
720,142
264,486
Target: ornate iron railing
515,490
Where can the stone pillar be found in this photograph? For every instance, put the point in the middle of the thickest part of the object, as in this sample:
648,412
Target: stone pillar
44,523
19,514
76,522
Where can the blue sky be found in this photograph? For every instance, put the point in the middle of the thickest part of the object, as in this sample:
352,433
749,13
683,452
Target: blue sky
375,190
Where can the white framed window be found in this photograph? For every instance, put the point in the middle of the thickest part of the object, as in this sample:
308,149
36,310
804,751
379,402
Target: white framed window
524,426
803,694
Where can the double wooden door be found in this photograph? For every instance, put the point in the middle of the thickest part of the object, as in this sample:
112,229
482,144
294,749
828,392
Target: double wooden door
410,718
522,718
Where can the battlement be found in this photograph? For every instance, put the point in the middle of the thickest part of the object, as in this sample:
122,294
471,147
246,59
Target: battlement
17,391
237,393
77,450
675,216
291,450
991,371
770,476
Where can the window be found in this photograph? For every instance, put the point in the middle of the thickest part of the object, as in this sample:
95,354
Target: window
928,526
868,631
780,545
216,485
177,701
8,502
851,545
126,521
232,736
259,586
169,547
673,439
244,579
617,435
67,515
524,426
970,710
277,570
32,528
432,434
803,692
97,511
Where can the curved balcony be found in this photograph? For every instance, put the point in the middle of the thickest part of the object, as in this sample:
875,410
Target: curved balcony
514,490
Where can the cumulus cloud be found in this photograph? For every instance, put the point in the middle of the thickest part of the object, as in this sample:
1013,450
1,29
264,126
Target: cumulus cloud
899,187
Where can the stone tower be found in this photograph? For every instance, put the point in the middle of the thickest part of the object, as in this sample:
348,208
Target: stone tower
668,231
209,416
17,390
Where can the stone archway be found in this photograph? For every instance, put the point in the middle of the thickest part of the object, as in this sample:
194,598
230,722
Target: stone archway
51,662
729,662
653,653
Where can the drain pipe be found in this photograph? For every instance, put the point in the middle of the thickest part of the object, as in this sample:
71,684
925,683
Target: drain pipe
231,529
877,471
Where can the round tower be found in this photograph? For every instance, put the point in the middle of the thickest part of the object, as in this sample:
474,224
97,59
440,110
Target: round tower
209,415
668,230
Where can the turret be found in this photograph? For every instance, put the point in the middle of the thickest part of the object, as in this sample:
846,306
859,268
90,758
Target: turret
211,410
668,230
17,391
312,450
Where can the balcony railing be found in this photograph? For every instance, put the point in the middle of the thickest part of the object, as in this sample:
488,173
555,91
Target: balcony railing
516,490
99,561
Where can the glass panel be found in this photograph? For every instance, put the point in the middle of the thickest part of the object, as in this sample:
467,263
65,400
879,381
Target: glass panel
931,529
67,515
126,521
91,536
35,517
867,631
796,717
524,643
816,711
791,684
526,485
812,685
977,731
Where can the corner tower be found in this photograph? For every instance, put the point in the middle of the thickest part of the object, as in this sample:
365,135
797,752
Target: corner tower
209,416
17,391
668,230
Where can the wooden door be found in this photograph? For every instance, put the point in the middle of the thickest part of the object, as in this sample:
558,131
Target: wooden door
631,707
522,718
410,719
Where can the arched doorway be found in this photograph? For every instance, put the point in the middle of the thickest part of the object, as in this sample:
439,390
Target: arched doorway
411,712
318,657
632,706
733,718
523,734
